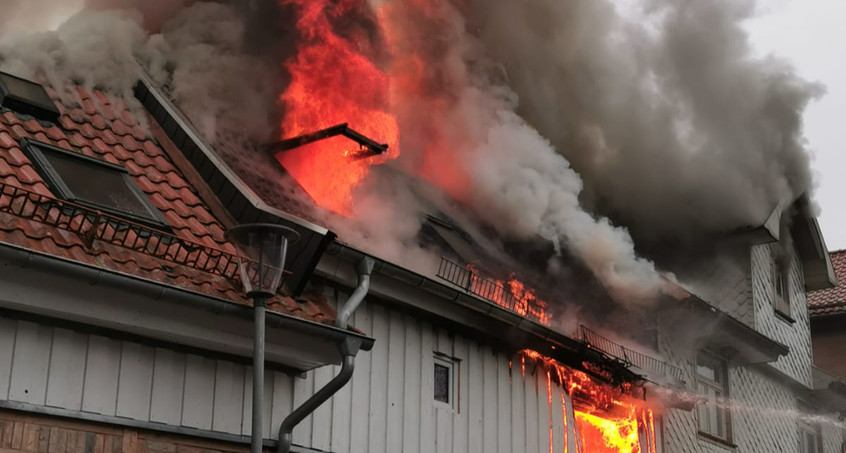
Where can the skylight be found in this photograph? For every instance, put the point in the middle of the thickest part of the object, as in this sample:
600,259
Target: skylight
26,97
91,182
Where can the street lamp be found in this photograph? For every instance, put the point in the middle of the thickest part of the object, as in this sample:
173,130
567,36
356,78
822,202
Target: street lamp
264,246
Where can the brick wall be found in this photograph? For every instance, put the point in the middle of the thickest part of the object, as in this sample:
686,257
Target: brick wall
26,433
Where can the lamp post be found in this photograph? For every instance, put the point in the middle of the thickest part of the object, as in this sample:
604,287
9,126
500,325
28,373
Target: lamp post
264,247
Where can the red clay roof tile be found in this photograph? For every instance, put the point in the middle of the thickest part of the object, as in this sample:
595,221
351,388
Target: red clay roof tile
833,300
102,127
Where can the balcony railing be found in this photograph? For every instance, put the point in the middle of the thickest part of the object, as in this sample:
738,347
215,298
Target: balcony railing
90,225
493,291
629,357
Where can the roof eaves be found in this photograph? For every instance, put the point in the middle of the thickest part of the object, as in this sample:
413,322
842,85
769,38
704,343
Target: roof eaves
246,206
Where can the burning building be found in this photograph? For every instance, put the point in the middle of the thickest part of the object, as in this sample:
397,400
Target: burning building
468,204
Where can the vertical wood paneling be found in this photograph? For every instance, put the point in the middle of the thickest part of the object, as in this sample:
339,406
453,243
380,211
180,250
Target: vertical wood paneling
8,331
490,400
341,418
135,381
198,393
396,373
461,420
64,386
321,428
475,397
283,398
557,419
504,422
228,397
379,371
412,403
518,407
544,407
247,415
31,362
303,388
168,383
102,368
360,387
531,407
427,389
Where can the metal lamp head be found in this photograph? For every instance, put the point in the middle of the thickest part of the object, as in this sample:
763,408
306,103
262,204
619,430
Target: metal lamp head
264,247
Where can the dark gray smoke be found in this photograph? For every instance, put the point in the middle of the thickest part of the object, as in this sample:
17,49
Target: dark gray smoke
571,120
672,123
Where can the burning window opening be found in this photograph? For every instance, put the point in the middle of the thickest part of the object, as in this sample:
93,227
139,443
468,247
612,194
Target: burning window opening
601,418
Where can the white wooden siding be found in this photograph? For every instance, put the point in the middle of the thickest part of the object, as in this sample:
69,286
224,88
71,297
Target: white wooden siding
387,407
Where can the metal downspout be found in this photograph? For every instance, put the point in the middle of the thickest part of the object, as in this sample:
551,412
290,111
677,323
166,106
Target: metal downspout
348,348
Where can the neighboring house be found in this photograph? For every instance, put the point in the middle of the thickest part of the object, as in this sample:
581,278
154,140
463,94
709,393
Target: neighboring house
123,327
756,349
828,321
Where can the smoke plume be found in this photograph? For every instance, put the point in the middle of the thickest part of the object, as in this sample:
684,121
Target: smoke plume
576,121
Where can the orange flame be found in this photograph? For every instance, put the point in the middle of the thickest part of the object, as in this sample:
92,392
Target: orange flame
333,82
608,421
511,294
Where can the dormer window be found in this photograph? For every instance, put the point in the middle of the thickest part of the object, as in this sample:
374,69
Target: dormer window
92,183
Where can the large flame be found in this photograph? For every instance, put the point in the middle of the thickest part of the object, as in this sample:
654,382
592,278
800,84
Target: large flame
333,81
607,420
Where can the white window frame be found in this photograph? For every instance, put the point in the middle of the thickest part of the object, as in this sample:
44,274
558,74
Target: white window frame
714,391
452,365
781,289
809,431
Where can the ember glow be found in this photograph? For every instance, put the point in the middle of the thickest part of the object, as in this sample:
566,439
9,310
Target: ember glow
333,81
607,420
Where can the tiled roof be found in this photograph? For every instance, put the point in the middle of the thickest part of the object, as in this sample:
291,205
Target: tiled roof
102,127
833,300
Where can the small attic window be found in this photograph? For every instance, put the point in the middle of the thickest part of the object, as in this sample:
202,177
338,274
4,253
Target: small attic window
26,97
93,183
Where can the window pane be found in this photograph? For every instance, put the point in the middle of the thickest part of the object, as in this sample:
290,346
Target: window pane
706,371
98,185
442,383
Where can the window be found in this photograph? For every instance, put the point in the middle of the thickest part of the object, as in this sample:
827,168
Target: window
711,383
444,380
781,289
26,97
93,183
809,438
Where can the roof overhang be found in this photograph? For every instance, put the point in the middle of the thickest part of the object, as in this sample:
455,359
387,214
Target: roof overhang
243,203
123,306
464,312
810,244
719,332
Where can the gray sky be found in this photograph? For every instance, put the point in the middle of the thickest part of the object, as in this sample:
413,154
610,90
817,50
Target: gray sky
811,34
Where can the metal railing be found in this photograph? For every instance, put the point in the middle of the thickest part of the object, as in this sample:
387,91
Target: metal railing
627,356
494,291
90,225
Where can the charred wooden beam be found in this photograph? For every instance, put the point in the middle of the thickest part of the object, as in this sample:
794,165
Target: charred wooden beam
371,146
